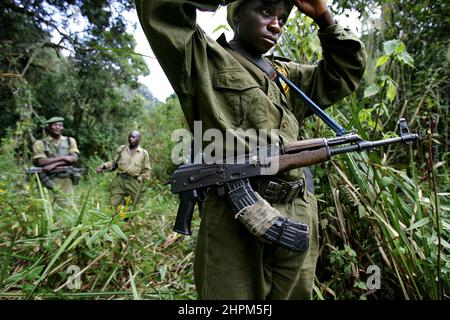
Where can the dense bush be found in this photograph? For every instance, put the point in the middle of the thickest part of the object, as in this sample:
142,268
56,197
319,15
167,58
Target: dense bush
386,211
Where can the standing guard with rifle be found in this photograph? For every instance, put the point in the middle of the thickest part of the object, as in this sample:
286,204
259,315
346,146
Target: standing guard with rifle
234,85
235,179
55,155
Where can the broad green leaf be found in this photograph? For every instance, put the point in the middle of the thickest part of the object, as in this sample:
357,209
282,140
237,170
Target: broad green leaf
16,277
381,61
406,58
400,48
362,212
391,91
371,90
390,46
361,285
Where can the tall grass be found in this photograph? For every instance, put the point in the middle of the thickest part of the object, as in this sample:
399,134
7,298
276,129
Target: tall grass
376,214
388,208
114,259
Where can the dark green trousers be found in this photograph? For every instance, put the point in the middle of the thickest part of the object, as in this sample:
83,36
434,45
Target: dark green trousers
231,263
64,193
122,187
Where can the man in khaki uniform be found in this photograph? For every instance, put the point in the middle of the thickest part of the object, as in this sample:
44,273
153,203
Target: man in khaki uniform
133,167
54,151
230,85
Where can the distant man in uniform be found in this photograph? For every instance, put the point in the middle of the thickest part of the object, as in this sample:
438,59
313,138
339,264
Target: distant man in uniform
232,85
133,168
54,151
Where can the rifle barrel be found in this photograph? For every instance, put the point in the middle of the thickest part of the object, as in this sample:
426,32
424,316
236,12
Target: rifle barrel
364,145
55,170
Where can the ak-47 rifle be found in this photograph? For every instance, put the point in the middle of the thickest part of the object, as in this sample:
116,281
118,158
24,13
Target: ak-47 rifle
233,179
74,172
187,180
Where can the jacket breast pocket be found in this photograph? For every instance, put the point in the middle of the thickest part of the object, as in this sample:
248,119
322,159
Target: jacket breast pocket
241,101
122,163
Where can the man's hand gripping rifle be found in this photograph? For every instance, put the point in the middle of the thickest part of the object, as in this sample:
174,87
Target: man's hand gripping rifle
188,180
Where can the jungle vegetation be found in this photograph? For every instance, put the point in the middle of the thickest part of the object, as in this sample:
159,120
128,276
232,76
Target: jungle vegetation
387,210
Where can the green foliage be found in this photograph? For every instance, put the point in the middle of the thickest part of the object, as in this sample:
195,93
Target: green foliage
49,69
299,40
160,123
390,206
141,258
150,101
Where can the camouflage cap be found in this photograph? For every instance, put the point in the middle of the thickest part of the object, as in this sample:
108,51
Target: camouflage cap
54,119
232,9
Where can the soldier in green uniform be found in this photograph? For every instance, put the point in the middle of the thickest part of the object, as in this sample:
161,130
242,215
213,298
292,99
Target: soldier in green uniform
57,150
230,85
133,167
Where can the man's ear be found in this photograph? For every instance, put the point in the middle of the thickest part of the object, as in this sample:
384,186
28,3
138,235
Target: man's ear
237,20
237,16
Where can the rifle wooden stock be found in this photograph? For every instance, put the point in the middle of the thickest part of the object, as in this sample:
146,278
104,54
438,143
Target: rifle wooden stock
304,145
59,169
41,170
303,159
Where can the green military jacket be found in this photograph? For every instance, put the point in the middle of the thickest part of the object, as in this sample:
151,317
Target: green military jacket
224,90
50,147
134,163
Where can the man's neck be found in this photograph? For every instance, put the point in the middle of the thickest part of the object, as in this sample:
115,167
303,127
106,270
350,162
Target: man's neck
55,136
256,58
243,49
133,147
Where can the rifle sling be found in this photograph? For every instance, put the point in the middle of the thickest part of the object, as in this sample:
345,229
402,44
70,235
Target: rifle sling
275,76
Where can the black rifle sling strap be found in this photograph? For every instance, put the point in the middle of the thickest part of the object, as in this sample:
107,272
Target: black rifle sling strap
46,147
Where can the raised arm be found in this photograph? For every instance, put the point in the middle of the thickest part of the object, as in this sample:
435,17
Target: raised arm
316,10
171,29
343,62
